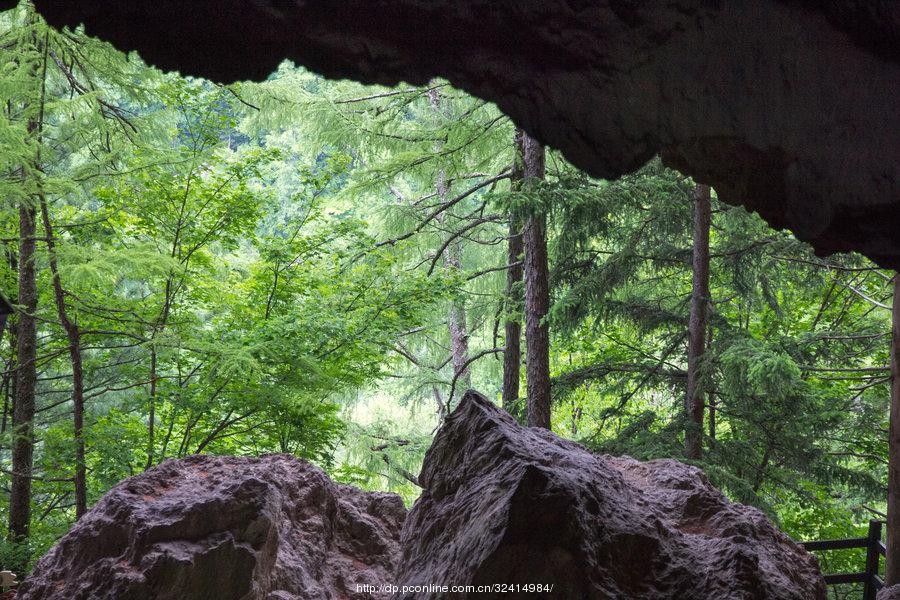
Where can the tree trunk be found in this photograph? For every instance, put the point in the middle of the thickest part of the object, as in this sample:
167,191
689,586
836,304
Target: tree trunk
73,335
26,381
13,327
6,400
26,372
457,323
168,298
537,295
711,396
512,355
892,562
694,398
151,416
456,314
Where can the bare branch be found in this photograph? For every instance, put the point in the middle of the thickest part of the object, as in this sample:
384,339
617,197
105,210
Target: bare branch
464,366
446,205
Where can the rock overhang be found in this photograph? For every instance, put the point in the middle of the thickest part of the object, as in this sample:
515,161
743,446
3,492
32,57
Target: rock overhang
787,107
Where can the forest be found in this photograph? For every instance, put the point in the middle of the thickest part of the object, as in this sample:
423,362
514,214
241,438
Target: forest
322,268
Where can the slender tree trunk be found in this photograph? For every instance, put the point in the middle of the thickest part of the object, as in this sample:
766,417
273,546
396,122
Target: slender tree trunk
576,416
439,401
154,363
73,335
13,327
168,437
26,373
459,339
694,398
712,398
6,403
512,355
151,416
892,563
26,381
537,295
456,314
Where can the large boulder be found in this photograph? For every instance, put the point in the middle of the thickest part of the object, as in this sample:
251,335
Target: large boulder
508,505
225,528
503,505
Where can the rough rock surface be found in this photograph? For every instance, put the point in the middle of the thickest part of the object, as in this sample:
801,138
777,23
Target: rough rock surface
506,504
889,593
225,528
785,106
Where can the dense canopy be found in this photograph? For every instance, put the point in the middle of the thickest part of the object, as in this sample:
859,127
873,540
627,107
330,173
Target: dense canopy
322,268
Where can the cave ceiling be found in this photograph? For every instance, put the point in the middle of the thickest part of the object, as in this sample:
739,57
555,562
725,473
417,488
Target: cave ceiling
790,108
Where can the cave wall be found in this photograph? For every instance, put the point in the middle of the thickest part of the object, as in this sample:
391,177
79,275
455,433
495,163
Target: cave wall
789,108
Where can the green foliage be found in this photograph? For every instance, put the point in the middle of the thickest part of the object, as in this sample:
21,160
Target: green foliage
273,267
794,352
226,295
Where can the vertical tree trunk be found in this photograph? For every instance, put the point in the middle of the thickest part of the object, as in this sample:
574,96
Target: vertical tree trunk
711,396
512,355
456,314
694,398
151,416
457,323
26,372
537,295
73,335
892,562
168,299
6,401
13,327
26,381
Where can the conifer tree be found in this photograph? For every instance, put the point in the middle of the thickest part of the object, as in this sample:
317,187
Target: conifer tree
697,325
537,292
512,353
451,256
26,370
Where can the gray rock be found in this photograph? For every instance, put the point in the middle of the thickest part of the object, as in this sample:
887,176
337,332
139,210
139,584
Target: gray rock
889,593
509,505
223,528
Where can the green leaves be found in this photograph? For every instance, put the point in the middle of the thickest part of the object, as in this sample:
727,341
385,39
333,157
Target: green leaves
752,369
270,267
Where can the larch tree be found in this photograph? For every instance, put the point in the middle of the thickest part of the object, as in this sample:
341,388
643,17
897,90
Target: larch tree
73,335
512,326
537,292
26,375
59,118
697,324
428,159
107,117
452,260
